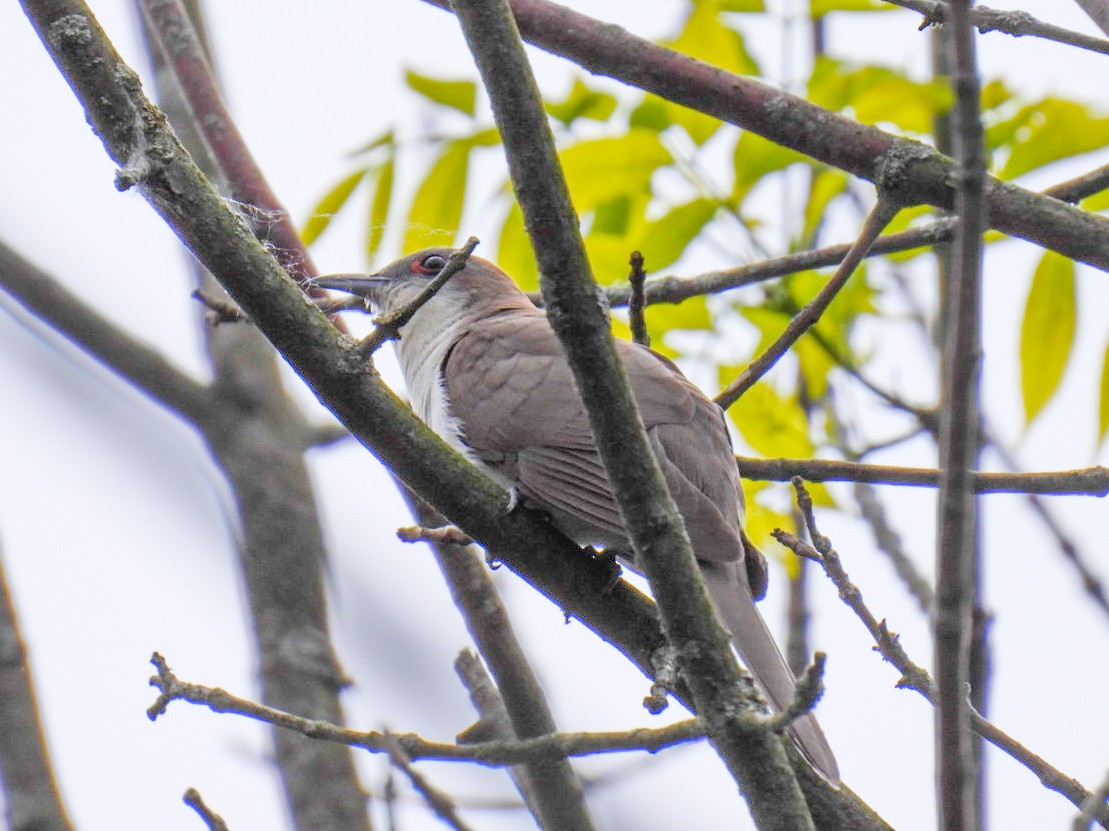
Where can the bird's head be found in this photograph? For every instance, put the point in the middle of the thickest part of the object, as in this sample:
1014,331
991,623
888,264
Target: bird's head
479,288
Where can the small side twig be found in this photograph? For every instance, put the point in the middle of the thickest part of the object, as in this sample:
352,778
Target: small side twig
388,326
879,218
810,687
437,800
637,302
447,534
213,820
218,310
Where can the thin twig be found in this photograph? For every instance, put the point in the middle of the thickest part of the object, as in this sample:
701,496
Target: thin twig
213,820
1008,21
27,784
488,754
636,300
173,30
1090,481
879,218
437,800
389,326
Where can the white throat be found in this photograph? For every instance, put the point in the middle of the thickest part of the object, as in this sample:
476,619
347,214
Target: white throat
421,350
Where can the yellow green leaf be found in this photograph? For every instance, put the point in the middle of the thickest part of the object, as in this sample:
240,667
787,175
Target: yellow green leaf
826,185
662,241
437,208
582,102
1056,129
755,157
1103,400
329,205
1047,331
460,95
773,425
514,252
819,8
379,208
598,169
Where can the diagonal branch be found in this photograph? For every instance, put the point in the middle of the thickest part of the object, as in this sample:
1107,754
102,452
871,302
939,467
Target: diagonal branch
125,355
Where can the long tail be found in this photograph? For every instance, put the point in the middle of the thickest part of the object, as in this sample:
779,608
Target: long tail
760,654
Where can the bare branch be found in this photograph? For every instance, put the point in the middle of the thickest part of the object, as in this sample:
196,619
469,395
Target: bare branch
213,820
440,803
1009,21
1098,10
1090,481
636,300
173,30
27,782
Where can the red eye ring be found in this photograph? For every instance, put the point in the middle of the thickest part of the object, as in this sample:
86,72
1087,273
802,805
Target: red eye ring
431,264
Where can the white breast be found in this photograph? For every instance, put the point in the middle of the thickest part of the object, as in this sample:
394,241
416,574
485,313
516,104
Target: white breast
422,348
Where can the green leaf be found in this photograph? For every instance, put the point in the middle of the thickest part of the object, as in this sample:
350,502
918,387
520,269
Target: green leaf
461,95
755,157
599,169
826,185
1047,331
876,94
651,114
329,205
773,425
437,208
689,314
819,8
1103,400
582,102
1097,202
379,208
741,5
383,140
514,253
662,241
1056,129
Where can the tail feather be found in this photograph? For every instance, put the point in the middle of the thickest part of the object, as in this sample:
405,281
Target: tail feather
760,654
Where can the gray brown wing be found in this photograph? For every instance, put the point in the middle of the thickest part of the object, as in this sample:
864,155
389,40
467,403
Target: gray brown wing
507,383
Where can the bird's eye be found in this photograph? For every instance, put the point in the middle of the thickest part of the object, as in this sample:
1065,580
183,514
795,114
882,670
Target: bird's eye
431,264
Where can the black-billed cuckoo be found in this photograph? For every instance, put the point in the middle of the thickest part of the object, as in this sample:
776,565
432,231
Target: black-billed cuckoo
486,372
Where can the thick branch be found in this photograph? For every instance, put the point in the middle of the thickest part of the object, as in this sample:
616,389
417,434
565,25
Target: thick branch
27,785
957,570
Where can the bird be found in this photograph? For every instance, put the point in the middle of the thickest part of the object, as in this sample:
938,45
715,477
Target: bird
484,370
